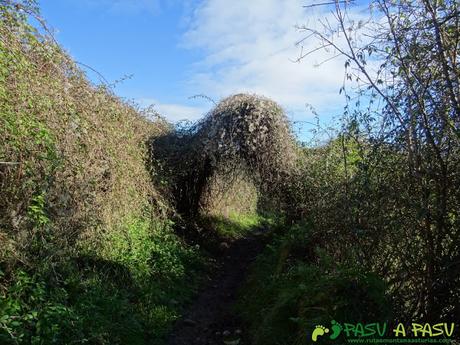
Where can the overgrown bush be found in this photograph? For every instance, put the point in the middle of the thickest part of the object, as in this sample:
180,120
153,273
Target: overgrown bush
74,145
295,285
130,292
87,253
362,203
243,136
384,190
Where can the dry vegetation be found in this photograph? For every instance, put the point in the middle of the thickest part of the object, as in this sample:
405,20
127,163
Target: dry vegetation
82,229
243,135
74,145
368,223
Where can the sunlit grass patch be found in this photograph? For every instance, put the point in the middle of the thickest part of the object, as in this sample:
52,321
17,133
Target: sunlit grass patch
236,225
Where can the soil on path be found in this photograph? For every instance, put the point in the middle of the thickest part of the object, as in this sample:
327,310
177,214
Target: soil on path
211,319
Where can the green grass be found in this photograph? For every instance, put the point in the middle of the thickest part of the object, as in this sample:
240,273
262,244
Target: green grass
236,225
294,285
130,293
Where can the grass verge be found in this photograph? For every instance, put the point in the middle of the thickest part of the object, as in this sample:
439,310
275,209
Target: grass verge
294,286
131,294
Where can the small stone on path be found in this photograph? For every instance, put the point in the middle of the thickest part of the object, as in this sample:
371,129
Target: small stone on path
189,322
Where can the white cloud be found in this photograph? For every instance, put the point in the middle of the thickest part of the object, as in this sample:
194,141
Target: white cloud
174,112
250,46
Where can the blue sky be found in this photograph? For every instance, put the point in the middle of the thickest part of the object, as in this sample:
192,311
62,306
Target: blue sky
176,49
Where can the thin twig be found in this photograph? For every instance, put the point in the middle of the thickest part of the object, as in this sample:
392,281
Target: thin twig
10,163
328,3
204,97
95,71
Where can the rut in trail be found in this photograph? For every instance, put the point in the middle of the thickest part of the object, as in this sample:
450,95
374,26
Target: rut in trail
211,320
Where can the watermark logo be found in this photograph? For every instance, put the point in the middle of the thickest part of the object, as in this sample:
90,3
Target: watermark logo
376,332
321,330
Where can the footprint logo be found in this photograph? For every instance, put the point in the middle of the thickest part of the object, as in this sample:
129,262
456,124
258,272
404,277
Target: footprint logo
336,329
319,331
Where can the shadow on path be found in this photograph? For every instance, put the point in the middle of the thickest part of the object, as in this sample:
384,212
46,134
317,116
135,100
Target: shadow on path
211,320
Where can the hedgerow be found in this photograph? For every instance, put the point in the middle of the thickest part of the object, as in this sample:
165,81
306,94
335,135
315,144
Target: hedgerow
87,250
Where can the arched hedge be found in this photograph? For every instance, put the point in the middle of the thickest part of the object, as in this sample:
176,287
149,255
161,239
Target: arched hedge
242,132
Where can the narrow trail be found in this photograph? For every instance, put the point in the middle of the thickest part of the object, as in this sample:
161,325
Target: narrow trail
211,320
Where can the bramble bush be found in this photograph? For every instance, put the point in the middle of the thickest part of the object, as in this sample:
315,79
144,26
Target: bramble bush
87,250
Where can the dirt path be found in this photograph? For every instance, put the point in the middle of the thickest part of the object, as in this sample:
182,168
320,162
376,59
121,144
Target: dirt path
211,320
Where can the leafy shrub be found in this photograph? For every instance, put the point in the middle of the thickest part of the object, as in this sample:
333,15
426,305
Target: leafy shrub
87,253
32,314
126,297
296,285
